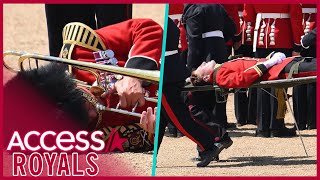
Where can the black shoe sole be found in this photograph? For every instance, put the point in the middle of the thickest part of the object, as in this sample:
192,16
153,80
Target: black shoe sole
207,161
225,145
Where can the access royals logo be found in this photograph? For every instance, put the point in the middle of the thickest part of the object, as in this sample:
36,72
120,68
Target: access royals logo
57,154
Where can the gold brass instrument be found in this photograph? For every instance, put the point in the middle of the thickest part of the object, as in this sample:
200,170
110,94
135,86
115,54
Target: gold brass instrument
146,75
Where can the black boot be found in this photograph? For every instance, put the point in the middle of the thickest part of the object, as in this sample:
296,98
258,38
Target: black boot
283,132
224,143
208,155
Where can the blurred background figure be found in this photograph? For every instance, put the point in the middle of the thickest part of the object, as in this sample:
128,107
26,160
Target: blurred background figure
304,96
93,15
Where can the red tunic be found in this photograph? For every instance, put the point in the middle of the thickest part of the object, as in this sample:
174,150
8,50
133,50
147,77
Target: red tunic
232,10
276,32
246,28
243,72
136,43
175,13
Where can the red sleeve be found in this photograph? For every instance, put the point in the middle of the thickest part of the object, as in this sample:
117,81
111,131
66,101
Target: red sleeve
249,14
228,77
232,10
296,22
145,52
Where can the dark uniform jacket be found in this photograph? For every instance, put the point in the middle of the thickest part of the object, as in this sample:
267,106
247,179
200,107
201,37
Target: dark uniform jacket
200,20
175,69
308,42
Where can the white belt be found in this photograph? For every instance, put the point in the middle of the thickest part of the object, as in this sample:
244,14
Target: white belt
169,53
258,20
309,10
216,33
275,15
175,16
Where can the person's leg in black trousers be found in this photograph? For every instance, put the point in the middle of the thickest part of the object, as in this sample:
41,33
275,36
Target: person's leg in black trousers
245,101
252,106
312,96
268,124
241,107
263,113
108,14
300,105
58,15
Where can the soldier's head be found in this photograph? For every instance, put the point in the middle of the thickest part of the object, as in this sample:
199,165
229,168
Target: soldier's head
53,82
201,76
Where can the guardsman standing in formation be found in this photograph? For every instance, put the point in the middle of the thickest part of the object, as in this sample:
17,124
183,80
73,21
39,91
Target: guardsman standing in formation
277,27
206,40
304,96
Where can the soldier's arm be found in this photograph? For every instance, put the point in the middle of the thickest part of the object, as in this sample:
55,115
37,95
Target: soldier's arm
309,39
145,52
232,10
296,25
194,22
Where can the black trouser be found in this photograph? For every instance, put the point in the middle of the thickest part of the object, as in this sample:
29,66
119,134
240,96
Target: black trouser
205,108
245,102
304,105
59,15
173,109
266,104
245,106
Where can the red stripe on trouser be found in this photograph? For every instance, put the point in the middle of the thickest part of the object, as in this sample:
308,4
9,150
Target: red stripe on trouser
176,122
202,124
197,120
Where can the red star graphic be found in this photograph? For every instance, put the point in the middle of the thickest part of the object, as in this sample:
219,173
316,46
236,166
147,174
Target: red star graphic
115,141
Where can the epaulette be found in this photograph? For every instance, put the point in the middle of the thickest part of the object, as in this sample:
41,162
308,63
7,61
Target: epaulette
79,34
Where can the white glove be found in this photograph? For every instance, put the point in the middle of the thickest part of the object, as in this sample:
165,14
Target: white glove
277,58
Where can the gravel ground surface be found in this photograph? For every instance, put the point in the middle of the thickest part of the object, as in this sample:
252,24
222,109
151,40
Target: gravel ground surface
248,156
25,30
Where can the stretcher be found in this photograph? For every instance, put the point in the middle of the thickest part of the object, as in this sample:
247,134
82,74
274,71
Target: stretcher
280,83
